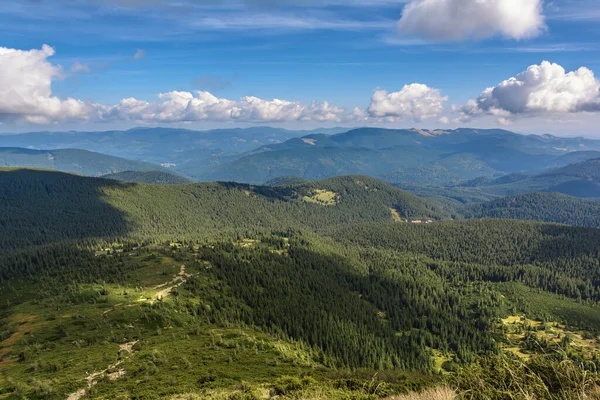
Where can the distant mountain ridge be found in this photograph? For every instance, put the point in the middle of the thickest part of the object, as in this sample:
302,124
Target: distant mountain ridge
71,160
183,147
578,180
436,157
261,154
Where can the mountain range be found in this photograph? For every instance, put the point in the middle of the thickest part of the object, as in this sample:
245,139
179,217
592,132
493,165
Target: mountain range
71,160
419,156
257,155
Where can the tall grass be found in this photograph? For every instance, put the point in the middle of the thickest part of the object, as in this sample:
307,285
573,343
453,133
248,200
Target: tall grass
439,393
543,377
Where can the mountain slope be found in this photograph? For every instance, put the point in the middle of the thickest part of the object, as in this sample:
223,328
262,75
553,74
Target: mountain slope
547,207
42,206
70,160
578,180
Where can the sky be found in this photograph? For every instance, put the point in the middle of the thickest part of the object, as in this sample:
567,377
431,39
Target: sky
521,65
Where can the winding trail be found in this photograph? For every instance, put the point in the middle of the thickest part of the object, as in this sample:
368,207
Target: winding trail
177,281
92,379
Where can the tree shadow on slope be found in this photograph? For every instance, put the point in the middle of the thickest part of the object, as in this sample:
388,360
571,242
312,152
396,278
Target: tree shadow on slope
42,207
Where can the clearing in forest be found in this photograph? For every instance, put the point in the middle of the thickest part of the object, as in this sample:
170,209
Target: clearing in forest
396,215
322,197
523,333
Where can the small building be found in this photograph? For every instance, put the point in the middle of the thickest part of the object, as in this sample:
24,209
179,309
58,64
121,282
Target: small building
422,221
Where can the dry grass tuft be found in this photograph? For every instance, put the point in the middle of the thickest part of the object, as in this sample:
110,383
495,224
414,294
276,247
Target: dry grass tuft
440,393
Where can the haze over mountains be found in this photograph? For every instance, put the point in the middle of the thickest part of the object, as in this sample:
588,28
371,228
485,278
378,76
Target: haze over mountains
256,155
462,165
71,160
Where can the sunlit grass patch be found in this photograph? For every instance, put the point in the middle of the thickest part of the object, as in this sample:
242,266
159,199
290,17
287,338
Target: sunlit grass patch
322,197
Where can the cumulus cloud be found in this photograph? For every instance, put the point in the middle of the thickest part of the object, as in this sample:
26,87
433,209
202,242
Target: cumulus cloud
544,88
472,19
416,101
202,106
26,96
25,88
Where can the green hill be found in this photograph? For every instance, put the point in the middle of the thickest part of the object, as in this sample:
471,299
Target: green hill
150,177
70,160
43,206
547,207
228,291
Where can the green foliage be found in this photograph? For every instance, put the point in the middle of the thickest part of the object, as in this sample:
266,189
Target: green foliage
546,207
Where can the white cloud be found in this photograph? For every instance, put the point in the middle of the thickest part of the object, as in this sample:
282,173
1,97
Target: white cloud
544,88
25,88
453,20
416,101
26,96
204,106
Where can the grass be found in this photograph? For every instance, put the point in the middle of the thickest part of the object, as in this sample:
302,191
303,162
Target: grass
396,215
440,393
544,306
322,197
439,359
549,333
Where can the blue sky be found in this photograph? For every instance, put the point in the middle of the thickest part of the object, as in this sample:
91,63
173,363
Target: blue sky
430,68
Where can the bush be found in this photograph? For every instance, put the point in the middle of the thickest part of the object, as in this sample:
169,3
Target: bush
287,384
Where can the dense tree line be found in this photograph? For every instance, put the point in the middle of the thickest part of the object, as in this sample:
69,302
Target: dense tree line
38,207
546,207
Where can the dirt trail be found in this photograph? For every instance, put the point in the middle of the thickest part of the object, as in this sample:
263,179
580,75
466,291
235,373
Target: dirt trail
93,378
177,281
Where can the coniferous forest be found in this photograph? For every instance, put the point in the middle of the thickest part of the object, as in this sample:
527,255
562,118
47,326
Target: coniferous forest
312,290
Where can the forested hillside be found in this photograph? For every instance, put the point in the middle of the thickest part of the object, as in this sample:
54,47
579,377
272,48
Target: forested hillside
578,180
315,290
547,207
42,206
